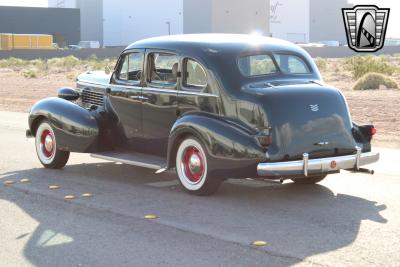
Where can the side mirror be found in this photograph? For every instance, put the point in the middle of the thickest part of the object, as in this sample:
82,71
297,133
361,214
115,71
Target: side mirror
68,94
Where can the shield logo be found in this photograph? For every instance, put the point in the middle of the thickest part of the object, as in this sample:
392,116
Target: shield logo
365,27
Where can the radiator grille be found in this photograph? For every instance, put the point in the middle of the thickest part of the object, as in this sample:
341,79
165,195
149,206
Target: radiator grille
91,97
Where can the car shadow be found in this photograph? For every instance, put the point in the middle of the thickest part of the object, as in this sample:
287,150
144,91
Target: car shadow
298,221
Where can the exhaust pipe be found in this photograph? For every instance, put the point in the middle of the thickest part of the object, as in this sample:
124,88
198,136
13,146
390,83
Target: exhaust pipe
363,170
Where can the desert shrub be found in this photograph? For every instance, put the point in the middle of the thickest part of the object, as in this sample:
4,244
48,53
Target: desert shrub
13,62
372,81
66,65
68,62
29,74
321,63
361,65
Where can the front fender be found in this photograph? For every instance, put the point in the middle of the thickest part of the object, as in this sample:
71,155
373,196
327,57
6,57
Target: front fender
75,128
233,151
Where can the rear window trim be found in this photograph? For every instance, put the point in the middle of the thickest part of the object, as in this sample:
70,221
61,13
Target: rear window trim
279,71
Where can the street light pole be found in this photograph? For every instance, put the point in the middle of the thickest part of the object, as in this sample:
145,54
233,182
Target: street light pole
169,27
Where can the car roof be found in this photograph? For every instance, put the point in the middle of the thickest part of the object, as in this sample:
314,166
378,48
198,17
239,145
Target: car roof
215,41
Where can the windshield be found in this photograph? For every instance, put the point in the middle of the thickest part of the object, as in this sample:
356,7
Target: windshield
264,64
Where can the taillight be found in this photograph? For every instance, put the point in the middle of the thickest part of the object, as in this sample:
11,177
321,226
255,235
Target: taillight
264,137
264,140
373,131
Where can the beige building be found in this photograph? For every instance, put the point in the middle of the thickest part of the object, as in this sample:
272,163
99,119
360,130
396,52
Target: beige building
226,16
106,21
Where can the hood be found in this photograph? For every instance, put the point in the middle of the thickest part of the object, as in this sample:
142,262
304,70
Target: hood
96,77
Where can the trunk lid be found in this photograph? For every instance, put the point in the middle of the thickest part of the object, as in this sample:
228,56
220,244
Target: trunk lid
306,118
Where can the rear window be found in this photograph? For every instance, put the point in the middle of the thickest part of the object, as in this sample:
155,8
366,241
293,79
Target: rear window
256,65
291,64
264,64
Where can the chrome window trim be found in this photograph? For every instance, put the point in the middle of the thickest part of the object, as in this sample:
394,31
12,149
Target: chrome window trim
161,90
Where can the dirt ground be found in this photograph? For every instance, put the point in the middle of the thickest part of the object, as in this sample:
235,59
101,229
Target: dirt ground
379,107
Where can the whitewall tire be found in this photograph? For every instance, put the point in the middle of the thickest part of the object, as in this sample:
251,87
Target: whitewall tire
46,147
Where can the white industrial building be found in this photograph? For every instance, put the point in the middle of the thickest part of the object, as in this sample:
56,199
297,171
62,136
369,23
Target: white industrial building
120,22
304,21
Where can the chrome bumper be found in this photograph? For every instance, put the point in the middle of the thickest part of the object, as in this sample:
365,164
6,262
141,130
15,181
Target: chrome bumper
314,166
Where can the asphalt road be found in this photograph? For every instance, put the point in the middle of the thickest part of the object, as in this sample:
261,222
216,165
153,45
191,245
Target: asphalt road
347,220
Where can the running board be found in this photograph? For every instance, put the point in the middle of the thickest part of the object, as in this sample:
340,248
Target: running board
132,158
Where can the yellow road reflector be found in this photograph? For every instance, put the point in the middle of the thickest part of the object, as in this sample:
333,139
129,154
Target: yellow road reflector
25,180
87,194
52,187
150,216
69,197
9,182
259,243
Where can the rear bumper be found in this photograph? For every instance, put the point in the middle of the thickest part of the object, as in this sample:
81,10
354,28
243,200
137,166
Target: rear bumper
317,166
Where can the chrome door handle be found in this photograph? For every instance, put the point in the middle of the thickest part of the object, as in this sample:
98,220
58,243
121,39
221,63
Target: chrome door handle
137,97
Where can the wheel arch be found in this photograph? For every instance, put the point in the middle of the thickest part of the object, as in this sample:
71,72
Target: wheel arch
35,123
225,142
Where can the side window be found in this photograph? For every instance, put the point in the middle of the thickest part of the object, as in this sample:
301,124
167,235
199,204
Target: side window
163,69
135,66
195,76
132,67
123,72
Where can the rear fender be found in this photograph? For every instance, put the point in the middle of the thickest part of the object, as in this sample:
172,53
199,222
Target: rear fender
75,128
234,151
362,135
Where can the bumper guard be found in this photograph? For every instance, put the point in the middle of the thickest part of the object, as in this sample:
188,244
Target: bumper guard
314,166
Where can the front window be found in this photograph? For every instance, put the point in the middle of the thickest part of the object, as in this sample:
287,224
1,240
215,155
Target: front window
265,64
131,68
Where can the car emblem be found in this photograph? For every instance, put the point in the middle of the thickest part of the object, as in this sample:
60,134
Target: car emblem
314,107
365,27
333,164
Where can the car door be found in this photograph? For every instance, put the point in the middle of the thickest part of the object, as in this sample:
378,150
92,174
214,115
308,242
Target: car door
159,100
125,98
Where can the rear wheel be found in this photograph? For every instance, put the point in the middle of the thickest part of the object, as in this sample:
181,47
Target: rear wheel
46,147
310,180
192,168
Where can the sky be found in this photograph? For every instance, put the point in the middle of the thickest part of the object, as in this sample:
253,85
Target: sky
393,30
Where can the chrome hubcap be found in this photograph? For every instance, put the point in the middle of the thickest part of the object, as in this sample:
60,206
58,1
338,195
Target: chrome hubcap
48,143
194,163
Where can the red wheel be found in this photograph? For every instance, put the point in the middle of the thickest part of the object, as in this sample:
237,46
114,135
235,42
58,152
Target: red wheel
193,164
46,147
47,143
191,167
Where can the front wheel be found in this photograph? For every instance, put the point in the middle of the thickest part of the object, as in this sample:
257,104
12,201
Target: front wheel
46,147
192,168
310,180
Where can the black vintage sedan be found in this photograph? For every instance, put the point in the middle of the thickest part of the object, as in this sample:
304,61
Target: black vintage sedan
212,106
